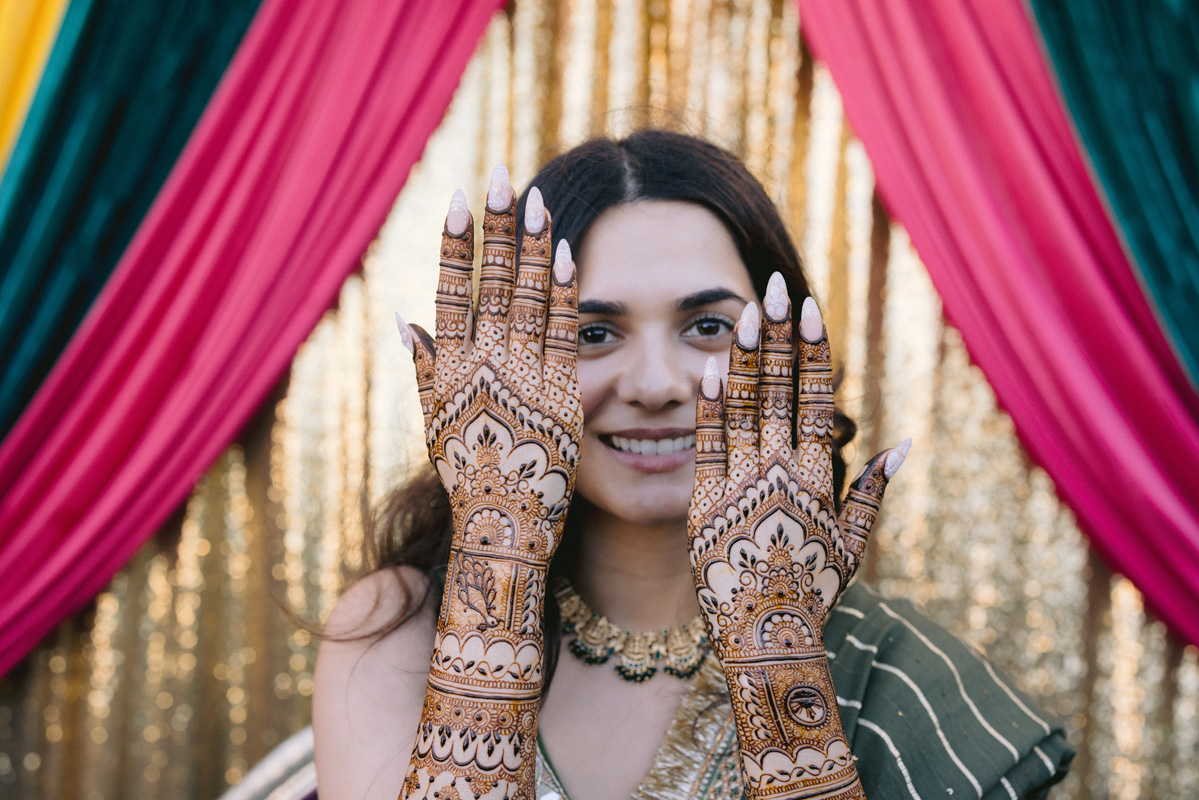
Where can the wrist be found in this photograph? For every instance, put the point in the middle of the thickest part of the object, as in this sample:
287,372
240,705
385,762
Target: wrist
489,633
793,744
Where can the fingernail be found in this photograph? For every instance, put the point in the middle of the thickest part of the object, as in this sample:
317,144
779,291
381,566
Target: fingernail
459,216
534,212
564,263
776,303
811,326
747,328
405,334
895,458
710,384
499,193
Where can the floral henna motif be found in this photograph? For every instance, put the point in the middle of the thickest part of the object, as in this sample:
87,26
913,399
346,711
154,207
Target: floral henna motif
503,423
769,554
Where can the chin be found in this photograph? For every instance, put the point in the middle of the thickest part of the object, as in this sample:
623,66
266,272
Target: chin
644,502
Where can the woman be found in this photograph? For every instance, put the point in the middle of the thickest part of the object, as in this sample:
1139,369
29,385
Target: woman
685,541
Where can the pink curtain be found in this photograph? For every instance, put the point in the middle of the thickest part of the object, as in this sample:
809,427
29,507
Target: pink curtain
288,176
974,154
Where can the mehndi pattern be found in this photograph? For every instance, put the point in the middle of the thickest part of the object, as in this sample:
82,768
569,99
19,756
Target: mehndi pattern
769,553
503,423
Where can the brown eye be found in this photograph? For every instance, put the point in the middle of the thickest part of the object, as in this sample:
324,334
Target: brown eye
709,326
595,334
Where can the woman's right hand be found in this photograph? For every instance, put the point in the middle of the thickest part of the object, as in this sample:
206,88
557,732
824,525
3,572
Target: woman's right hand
503,417
503,422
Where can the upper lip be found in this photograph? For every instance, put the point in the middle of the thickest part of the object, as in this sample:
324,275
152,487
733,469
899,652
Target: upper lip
651,433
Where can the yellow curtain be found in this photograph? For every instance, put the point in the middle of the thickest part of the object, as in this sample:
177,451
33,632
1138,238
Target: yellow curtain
27,31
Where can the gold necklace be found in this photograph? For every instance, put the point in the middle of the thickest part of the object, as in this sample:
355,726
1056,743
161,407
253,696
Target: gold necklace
682,647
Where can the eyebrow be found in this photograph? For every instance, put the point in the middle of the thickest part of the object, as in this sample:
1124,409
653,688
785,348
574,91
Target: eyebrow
608,308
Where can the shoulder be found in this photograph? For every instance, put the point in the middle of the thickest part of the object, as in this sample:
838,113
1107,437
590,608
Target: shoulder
923,711
370,687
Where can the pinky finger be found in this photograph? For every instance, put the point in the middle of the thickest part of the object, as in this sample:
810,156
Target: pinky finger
863,501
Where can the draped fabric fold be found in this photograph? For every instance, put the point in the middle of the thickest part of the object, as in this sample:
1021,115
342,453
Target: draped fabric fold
1129,71
27,32
287,177
975,156
122,91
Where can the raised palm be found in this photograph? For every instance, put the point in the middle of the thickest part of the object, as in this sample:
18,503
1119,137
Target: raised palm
503,418
769,553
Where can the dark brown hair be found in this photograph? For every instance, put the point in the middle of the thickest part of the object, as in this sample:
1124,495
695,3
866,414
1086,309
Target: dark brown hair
413,525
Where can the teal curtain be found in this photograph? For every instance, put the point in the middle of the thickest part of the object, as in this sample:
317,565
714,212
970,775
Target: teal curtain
123,88
1129,70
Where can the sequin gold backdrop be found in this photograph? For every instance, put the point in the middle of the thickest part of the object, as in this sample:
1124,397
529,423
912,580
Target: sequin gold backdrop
189,668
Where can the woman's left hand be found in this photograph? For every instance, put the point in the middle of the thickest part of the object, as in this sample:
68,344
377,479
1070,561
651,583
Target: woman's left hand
770,554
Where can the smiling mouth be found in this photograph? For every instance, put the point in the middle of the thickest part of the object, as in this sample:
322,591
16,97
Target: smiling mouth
649,447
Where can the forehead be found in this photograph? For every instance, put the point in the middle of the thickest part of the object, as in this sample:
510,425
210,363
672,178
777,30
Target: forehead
655,250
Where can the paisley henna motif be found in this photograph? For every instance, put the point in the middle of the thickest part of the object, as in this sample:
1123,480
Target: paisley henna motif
503,424
769,554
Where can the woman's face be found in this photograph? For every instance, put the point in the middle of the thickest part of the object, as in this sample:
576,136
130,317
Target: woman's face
660,285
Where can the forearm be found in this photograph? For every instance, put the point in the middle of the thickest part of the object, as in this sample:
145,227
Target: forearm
792,742
478,726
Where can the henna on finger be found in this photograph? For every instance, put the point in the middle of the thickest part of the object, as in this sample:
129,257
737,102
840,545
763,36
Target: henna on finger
453,284
530,299
769,561
498,272
506,450
865,497
562,326
775,374
814,436
560,362
741,397
710,457
424,355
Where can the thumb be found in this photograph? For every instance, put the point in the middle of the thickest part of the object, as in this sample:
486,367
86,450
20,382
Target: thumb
863,501
424,354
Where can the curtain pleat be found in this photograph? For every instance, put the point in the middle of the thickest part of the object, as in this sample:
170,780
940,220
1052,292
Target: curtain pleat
123,89
286,179
1129,71
975,156
27,31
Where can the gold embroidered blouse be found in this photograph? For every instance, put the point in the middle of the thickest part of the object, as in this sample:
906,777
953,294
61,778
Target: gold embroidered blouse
697,759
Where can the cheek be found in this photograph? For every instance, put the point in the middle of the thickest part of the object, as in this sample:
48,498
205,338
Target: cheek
595,383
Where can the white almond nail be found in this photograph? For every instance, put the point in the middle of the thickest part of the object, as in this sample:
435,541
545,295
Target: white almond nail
459,216
405,334
710,384
905,446
895,460
747,328
499,193
811,326
564,264
776,303
534,212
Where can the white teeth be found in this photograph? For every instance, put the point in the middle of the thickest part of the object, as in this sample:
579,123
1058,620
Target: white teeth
653,447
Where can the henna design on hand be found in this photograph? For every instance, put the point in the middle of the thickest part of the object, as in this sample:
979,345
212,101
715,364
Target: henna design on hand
770,555
503,423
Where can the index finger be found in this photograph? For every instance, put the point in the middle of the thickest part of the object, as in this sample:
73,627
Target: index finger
453,284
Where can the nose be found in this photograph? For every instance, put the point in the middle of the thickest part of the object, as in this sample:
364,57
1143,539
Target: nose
656,375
